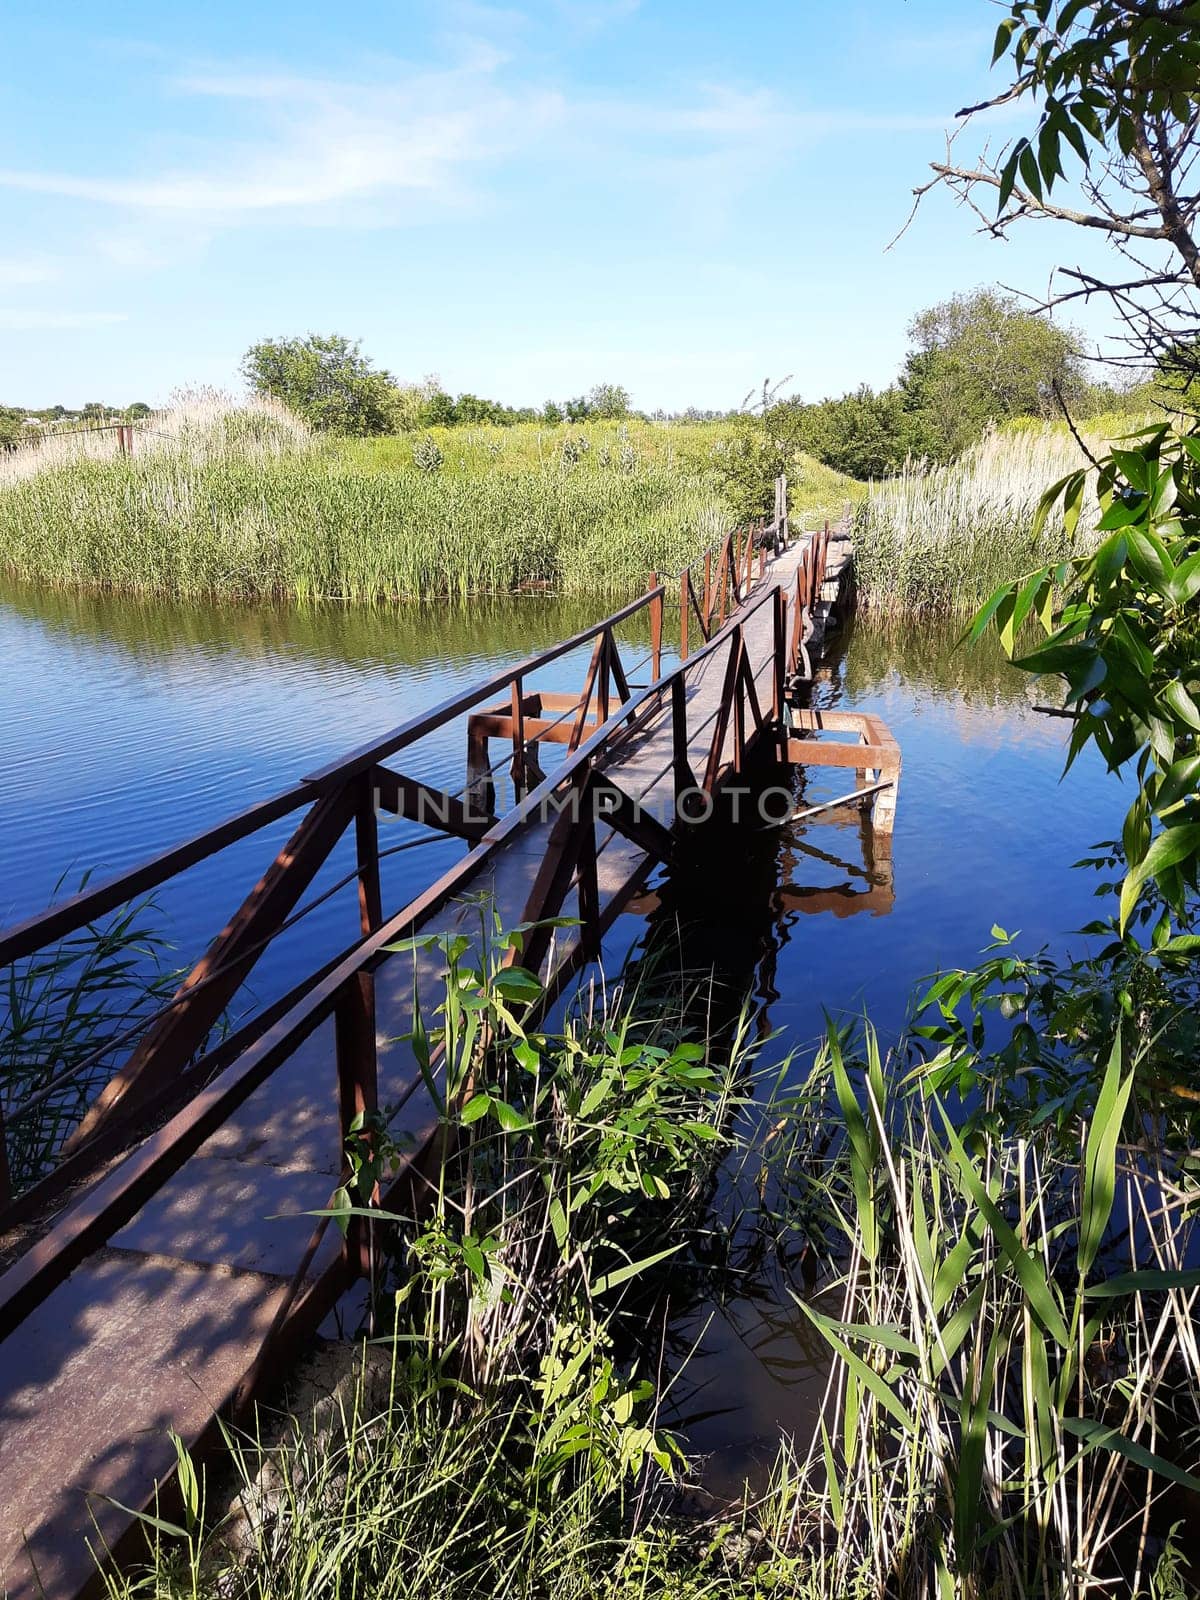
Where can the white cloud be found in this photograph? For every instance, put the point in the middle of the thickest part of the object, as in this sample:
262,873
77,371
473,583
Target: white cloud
322,143
405,144
24,321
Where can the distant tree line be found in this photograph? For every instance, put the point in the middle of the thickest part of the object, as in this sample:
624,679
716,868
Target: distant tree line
974,361
326,379
21,423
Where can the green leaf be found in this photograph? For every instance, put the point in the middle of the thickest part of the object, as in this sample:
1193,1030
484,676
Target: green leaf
1003,34
1172,846
1030,175
476,1107
612,1280
1143,1282
509,1118
871,1380
515,983
1008,175
986,612
1098,1436
1182,704
1100,1159
861,1148
596,1095
882,1334
1134,467
1185,585
1150,557
1028,1269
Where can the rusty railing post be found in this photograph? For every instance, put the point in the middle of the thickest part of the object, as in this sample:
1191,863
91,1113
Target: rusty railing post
357,1089
354,1018
5,1173
708,587
739,710
797,625
602,682
779,671
517,769
587,878
723,579
656,627
680,765
684,585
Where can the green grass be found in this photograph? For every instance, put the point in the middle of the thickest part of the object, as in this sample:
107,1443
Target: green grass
994,1427
943,538
244,504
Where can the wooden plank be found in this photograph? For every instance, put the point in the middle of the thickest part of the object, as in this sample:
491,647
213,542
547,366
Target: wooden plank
817,753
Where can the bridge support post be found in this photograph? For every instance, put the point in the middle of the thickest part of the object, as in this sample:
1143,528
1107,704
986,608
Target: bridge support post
656,626
779,666
354,1018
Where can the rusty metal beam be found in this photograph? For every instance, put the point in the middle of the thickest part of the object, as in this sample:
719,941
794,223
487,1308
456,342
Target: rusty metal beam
623,813
170,1043
419,802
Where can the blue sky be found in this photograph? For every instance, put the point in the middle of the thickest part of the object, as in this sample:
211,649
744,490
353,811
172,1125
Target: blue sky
525,199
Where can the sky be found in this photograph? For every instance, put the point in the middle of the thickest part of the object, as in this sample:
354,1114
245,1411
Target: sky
683,196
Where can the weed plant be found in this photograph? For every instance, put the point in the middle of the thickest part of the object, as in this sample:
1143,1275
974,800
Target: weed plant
241,503
942,538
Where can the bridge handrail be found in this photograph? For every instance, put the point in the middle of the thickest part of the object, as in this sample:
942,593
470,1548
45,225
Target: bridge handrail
46,927
96,1215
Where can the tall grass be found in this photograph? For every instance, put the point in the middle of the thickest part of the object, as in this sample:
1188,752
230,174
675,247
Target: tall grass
1014,1396
1014,1408
67,1014
942,538
240,502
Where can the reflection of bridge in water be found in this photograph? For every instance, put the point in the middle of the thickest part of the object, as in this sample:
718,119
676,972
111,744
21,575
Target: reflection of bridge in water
163,1260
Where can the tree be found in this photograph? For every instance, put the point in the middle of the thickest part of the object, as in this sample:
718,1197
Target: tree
12,427
1117,82
1114,86
439,410
551,413
978,359
473,408
864,434
325,379
608,401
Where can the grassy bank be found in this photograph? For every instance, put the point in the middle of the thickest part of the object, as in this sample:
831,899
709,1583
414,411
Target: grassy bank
245,504
942,538
1013,1405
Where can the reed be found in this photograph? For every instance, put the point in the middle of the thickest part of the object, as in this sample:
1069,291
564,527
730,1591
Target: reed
943,538
1014,1403
242,503
65,1014
1014,1392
